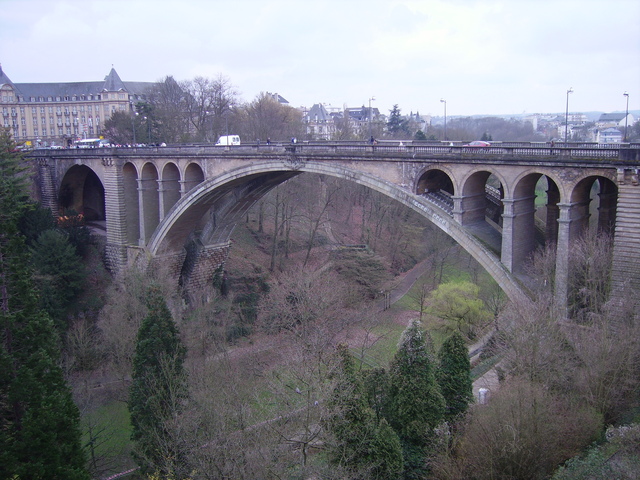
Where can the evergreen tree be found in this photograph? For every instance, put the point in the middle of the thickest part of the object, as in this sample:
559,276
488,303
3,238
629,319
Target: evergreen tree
59,274
365,449
415,402
396,125
158,391
454,375
34,221
39,423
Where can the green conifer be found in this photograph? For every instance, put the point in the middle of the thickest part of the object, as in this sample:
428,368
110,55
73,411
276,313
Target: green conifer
159,389
454,375
416,405
39,423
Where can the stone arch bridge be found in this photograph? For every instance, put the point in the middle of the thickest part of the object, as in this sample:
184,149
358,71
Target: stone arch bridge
178,205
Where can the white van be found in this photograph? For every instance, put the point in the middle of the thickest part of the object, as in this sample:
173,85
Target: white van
229,140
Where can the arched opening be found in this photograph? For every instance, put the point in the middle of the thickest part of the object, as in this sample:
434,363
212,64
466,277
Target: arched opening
547,211
481,208
131,202
595,200
150,200
533,215
193,175
82,191
170,187
436,186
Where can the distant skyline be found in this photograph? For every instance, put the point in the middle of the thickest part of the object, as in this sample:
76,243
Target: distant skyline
493,57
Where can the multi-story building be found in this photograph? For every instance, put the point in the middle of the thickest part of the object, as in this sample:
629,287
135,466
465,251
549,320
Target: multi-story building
45,114
320,125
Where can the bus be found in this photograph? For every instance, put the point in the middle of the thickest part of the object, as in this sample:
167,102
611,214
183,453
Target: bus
91,143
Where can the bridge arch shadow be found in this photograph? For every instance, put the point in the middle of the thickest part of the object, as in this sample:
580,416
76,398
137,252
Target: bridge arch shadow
213,207
82,191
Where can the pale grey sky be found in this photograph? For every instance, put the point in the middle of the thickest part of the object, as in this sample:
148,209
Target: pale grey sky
483,57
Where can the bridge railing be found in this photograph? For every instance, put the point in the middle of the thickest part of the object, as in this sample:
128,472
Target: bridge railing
627,153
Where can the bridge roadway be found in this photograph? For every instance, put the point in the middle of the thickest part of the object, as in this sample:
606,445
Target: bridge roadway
177,205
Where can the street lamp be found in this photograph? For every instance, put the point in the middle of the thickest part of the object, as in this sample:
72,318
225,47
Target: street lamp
370,118
566,115
445,117
626,117
148,119
133,124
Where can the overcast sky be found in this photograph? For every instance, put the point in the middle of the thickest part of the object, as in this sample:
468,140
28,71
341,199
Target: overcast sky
482,57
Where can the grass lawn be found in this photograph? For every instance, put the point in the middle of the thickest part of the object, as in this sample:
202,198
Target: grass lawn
110,428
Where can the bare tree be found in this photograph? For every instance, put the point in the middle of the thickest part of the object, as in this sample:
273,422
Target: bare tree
525,432
210,105
264,118
168,105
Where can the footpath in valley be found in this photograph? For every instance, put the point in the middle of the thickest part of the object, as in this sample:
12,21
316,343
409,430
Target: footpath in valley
489,380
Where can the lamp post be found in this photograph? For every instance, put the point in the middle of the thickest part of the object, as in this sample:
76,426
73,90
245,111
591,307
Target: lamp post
445,117
370,118
148,119
566,115
133,125
626,117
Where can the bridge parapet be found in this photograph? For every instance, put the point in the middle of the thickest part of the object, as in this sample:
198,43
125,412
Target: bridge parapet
569,154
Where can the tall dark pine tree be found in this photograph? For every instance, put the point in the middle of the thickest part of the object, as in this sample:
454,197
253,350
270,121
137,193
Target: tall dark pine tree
396,125
454,375
416,405
39,423
158,390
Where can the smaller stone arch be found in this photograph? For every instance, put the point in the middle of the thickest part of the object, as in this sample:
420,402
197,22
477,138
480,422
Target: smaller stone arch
169,187
481,199
193,176
532,216
150,200
131,202
594,201
437,187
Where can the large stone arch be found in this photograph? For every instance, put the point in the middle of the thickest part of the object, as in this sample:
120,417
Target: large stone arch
226,198
82,190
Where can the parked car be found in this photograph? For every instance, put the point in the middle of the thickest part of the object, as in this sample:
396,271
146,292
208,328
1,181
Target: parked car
478,143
